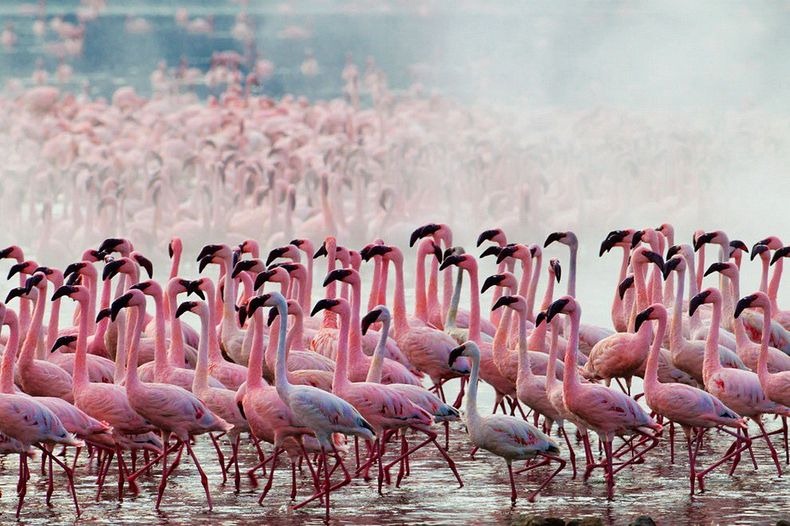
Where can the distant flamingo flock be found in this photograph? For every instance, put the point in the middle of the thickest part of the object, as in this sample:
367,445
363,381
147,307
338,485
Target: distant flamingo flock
341,391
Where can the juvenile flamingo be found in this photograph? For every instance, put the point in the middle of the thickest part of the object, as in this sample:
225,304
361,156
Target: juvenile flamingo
505,436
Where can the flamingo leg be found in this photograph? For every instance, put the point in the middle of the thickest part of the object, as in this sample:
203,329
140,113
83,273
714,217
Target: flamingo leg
268,486
69,475
165,472
733,452
571,452
21,487
562,463
513,493
203,477
220,457
767,438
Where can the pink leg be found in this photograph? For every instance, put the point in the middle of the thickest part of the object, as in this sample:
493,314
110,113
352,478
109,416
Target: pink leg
165,472
203,477
562,463
268,486
220,457
69,475
513,493
21,487
774,455
571,452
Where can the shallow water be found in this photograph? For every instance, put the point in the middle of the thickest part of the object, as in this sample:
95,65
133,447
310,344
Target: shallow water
428,496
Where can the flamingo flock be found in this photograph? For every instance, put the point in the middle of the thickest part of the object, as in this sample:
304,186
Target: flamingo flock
126,390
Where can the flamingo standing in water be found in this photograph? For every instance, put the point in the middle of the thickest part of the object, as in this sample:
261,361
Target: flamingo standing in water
324,413
506,436
695,410
170,408
603,410
739,390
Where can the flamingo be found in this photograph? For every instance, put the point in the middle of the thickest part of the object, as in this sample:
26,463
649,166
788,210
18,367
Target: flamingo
170,408
603,410
220,400
695,410
505,436
324,413
739,390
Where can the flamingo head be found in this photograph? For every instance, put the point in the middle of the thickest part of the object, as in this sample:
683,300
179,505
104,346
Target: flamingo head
758,300
497,235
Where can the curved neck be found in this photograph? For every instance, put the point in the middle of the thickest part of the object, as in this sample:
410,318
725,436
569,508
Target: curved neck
176,352
355,336
700,269
551,367
676,326
452,312
524,370
651,369
160,348
420,301
340,378
526,276
474,314
432,296
762,362
373,296
295,341
255,365
382,289
54,316
374,372
28,351
574,248
642,298
132,380
711,362
773,286
570,380
533,288
399,304
80,372
9,355
91,281
764,275
200,380
175,262
214,354
471,394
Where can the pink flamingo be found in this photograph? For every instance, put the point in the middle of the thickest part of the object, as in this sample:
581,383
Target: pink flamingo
695,410
620,309
170,408
219,400
505,436
739,390
16,253
384,408
603,410
426,348
688,355
324,413
39,377
162,370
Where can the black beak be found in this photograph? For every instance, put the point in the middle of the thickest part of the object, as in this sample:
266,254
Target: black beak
377,250
487,236
321,251
325,303
697,300
142,286
606,246
437,252
339,274
637,238
111,269
262,278
540,318
19,267
276,253
673,250
492,281
119,304
65,290
369,319
73,268
642,317
63,341
208,250
146,264
187,306
109,245
455,353
740,245
450,260
297,242
170,251
554,236
33,281
273,313
670,265
555,264
203,263
702,240
716,267
556,308
243,266
104,313
504,301
256,302
780,253
655,258
624,285
16,292
193,287
744,303
757,249
492,250
505,252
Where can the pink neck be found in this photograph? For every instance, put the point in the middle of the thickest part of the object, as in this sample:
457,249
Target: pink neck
9,355
340,378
